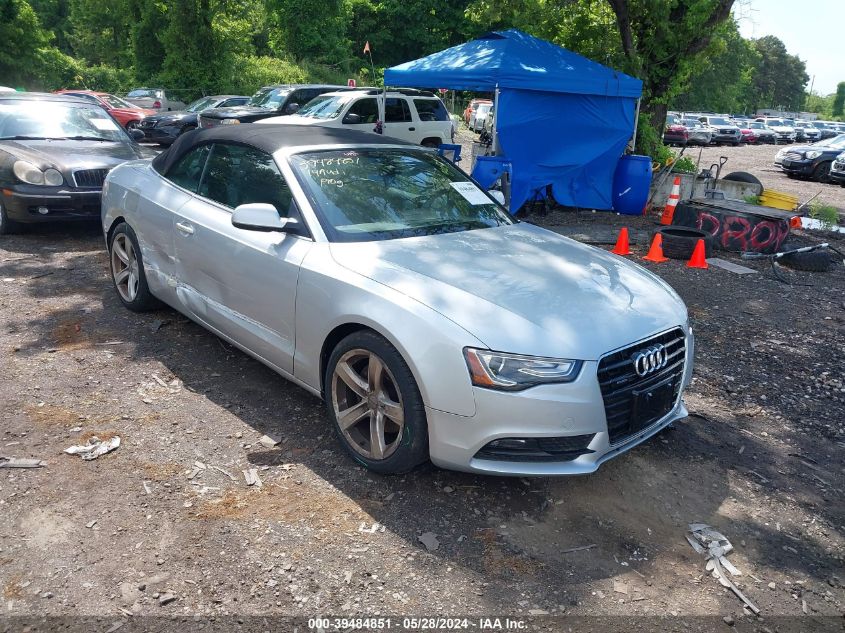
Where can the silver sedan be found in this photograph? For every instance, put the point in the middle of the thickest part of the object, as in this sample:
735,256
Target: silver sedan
379,277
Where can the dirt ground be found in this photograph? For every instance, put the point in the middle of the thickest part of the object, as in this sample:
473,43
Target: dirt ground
144,531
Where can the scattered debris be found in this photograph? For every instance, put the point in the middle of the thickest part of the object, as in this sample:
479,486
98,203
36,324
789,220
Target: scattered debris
20,462
620,586
347,577
578,549
429,539
225,472
715,546
287,466
376,527
94,448
156,325
166,598
269,441
147,488
251,477
90,525
718,262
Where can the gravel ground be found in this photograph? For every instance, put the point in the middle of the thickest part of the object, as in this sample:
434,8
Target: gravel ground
166,526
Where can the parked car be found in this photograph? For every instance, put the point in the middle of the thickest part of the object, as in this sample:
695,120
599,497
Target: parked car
800,136
55,151
697,132
127,114
811,161
783,132
379,281
763,132
268,102
164,128
675,133
414,116
157,99
478,116
7,89
723,130
837,170
811,134
472,107
825,131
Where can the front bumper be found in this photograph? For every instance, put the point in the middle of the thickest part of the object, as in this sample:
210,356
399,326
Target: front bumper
28,203
837,176
165,134
549,411
802,167
727,138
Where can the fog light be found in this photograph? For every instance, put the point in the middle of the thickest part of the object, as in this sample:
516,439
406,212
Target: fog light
43,210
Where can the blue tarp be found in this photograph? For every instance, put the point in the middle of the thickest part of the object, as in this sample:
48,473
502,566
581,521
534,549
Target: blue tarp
563,120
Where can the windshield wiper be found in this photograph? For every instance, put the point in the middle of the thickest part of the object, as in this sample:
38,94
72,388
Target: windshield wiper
83,138
25,138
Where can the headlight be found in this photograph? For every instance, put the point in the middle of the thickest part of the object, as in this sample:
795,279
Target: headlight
229,122
32,175
513,372
813,154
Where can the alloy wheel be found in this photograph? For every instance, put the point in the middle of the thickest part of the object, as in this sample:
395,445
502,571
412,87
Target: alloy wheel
367,404
124,267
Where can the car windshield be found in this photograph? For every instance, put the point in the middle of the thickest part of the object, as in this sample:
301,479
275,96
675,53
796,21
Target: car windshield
719,121
837,142
21,119
324,107
484,108
776,122
144,92
117,102
690,123
757,126
271,99
201,104
368,195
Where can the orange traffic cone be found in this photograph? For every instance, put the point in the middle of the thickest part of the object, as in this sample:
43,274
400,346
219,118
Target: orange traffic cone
622,247
672,202
655,253
698,259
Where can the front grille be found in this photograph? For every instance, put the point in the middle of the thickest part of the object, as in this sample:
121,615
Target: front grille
90,177
727,131
537,449
620,385
792,156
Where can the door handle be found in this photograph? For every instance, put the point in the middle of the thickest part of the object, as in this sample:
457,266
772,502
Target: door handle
185,228
412,129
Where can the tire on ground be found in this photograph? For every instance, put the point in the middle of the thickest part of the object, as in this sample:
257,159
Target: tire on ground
413,448
812,261
144,299
743,176
7,226
679,241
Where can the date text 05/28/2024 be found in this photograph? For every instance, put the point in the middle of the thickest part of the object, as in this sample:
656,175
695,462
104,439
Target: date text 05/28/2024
416,624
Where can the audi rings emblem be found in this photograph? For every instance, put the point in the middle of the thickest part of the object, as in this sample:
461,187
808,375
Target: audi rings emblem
650,359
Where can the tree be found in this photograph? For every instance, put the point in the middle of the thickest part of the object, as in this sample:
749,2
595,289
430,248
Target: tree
308,32
23,43
192,55
779,79
101,32
839,100
661,42
146,45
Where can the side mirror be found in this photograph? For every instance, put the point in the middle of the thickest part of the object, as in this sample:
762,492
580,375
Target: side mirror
352,119
136,134
259,216
292,108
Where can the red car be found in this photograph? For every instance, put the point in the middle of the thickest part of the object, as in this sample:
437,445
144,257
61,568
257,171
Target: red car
128,115
748,135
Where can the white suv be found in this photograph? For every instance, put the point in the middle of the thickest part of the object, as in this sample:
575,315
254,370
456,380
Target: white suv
411,115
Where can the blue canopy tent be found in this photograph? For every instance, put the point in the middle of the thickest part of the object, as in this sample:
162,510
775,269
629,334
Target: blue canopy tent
562,119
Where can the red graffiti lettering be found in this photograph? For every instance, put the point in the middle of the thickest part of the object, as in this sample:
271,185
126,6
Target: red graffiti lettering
708,223
735,232
763,236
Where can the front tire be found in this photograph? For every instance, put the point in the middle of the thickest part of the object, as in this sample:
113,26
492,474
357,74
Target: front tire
127,270
374,404
821,172
7,226
132,125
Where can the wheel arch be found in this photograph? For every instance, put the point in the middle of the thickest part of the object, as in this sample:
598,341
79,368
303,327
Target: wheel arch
111,229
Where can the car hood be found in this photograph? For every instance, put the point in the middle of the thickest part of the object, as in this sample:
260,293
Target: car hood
171,117
524,289
800,149
234,112
295,119
143,112
69,156
782,128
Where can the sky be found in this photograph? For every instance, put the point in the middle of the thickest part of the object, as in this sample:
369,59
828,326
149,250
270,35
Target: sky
812,30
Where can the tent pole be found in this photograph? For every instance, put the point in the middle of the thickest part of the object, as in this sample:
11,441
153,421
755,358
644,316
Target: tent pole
633,144
495,120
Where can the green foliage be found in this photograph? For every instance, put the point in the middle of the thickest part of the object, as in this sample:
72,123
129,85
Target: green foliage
23,42
755,200
685,165
824,213
147,48
650,142
309,31
838,106
779,78
254,72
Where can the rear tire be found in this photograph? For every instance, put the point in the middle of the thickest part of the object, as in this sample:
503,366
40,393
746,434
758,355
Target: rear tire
821,172
743,176
375,405
127,270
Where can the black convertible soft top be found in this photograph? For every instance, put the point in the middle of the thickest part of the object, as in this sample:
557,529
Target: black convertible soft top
268,138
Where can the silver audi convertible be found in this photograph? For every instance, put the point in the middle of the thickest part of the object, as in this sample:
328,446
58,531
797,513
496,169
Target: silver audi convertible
380,277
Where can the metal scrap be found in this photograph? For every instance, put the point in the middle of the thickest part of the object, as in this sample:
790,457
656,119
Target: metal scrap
94,448
251,477
715,546
20,462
